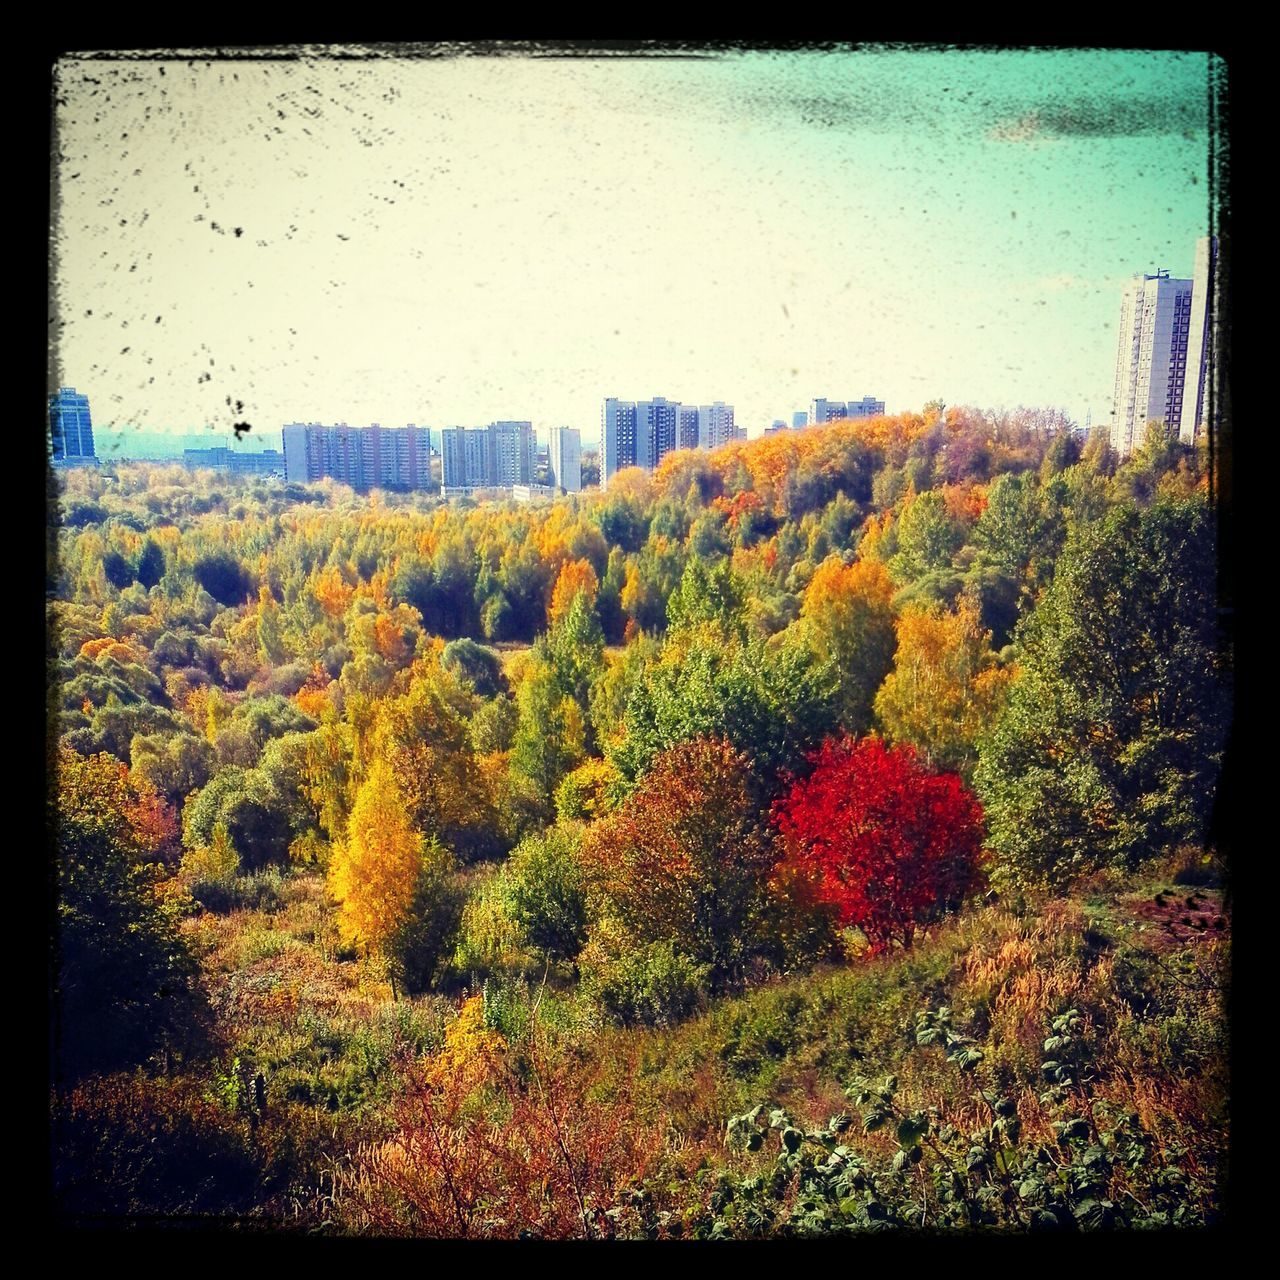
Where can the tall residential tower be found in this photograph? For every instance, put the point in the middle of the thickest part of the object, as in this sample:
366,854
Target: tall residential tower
1151,359
70,430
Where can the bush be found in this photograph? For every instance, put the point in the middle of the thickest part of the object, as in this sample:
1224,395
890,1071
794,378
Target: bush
546,892
427,938
261,891
651,985
489,940
127,1145
584,795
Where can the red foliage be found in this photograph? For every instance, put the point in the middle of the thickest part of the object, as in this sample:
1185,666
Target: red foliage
890,844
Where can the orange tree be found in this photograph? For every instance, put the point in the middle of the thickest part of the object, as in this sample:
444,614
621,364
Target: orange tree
688,859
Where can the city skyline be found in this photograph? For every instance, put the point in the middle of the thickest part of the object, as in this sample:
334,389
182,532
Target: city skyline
454,240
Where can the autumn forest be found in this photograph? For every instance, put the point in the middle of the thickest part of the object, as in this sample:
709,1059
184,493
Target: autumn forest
814,836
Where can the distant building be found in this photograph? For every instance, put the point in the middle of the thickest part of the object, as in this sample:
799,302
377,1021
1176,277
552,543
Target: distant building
715,425
799,419
532,492
618,442
70,429
510,452
778,425
823,410
565,450
655,430
363,457
1151,358
686,426
867,407
1205,308
642,433
221,458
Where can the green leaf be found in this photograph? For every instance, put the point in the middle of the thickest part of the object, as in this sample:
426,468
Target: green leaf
912,1128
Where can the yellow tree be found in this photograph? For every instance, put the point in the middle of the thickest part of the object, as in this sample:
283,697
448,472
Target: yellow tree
374,872
946,687
577,575
846,618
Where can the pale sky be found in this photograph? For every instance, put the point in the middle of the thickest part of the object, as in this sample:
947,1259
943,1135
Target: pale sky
449,241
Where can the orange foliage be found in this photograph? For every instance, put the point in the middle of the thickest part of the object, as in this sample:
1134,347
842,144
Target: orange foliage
577,575
965,502
332,592
127,651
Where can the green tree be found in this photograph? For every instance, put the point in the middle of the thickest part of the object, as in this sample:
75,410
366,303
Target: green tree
1109,747
550,737
150,563
125,982
773,704
927,537
546,892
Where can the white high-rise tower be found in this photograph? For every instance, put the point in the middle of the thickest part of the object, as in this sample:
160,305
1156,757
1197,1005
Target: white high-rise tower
1151,358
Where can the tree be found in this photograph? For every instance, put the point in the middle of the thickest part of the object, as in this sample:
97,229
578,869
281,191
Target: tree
1022,530
708,594
150,563
928,536
576,577
256,816
687,859
223,577
772,704
890,844
546,892
575,649
375,872
1110,745
846,619
550,738
945,688
126,983
424,735
473,662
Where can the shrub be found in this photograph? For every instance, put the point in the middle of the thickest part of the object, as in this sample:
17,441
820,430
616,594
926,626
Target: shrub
688,859
649,984
489,940
584,795
890,844
131,1146
547,893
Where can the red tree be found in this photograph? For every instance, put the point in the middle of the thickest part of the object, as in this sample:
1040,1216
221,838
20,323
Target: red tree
890,844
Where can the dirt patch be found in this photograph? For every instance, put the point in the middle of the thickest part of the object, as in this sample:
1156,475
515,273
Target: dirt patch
1177,919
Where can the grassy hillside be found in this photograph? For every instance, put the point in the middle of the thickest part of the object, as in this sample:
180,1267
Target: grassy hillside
336,1107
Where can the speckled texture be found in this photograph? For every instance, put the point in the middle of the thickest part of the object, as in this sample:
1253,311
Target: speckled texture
447,239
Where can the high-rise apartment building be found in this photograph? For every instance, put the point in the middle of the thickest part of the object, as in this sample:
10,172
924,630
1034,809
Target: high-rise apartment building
511,452
363,457
70,428
642,433
1197,388
799,419
565,448
686,426
822,410
715,425
1151,357
655,429
618,442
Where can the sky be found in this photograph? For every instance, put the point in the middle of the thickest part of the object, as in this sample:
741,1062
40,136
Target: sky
451,240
